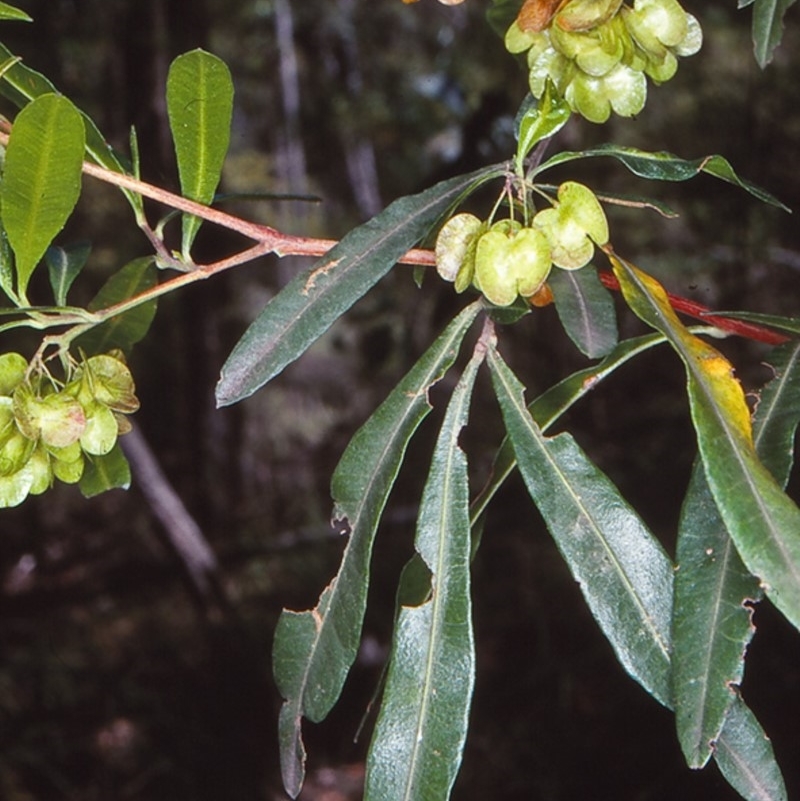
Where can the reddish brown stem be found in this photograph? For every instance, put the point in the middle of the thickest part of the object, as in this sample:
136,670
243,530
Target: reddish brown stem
685,306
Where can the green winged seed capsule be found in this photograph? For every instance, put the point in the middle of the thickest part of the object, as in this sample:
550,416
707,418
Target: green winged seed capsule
509,263
583,15
13,367
15,488
109,381
15,453
57,419
665,19
68,472
42,472
453,245
573,225
101,431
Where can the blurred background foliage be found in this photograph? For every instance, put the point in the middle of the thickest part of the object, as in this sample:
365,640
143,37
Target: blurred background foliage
123,676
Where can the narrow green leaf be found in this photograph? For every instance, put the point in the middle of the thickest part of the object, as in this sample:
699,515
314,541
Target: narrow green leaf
309,305
128,328
714,591
662,166
711,622
763,522
103,473
745,757
553,403
622,570
586,310
20,85
42,179
537,120
63,266
6,264
768,28
790,324
11,13
314,650
422,726
200,109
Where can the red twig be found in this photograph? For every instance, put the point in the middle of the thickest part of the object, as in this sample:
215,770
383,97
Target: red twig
699,312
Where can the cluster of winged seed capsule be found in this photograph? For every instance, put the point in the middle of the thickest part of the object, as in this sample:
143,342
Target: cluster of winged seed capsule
47,433
597,53
506,260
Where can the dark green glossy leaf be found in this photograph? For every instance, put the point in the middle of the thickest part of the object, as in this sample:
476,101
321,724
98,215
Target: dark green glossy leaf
41,180
63,266
200,108
622,570
314,650
422,726
714,591
762,520
768,28
711,622
663,166
309,305
103,473
586,310
553,403
745,757
128,328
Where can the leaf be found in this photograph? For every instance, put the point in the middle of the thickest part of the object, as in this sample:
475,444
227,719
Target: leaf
422,726
11,13
712,624
714,591
103,473
63,266
623,572
763,522
42,179
553,403
790,324
314,650
308,306
20,85
768,28
200,109
128,328
662,166
586,310
537,120
745,757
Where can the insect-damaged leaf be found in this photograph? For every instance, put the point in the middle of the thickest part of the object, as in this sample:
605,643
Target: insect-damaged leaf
422,726
711,624
309,305
762,520
314,650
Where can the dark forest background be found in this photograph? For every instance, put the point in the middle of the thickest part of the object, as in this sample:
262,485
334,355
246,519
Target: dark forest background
132,670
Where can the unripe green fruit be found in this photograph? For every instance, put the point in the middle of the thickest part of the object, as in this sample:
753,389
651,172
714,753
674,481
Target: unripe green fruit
105,379
41,471
15,488
511,261
13,367
58,419
573,225
68,472
583,15
14,453
100,434
455,249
